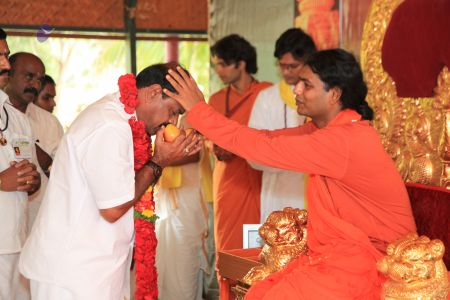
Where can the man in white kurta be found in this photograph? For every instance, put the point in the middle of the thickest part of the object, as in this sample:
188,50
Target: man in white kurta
46,128
71,242
48,132
275,108
81,243
16,131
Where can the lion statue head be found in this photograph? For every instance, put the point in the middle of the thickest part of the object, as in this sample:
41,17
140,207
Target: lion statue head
284,234
414,269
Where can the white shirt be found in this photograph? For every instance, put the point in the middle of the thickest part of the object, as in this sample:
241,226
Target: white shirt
13,205
71,244
280,188
48,132
46,128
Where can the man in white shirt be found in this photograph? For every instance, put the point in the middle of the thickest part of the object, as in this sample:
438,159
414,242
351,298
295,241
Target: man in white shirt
26,75
18,178
275,108
47,94
81,244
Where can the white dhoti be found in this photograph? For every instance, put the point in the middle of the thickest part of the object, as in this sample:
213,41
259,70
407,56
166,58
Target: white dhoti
13,286
180,229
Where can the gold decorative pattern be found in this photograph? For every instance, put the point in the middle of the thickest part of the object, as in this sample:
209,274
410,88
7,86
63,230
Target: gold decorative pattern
414,131
414,269
284,233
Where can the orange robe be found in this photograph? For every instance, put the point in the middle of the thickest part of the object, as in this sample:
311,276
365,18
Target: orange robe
236,185
357,201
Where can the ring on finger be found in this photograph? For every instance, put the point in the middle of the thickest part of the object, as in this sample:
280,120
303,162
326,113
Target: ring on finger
186,150
29,182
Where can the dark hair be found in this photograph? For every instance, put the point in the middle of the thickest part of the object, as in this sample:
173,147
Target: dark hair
296,42
339,68
234,48
3,34
156,74
47,79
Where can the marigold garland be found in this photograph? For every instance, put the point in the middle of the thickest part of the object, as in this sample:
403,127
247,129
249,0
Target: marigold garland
144,209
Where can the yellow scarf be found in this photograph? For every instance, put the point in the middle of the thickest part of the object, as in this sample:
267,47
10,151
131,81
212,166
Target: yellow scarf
171,177
206,176
287,95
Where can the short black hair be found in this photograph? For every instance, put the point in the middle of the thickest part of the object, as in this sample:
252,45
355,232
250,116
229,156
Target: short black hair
156,74
3,34
47,79
339,68
296,42
234,48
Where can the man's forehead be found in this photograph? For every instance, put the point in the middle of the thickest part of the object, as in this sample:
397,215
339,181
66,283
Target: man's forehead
29,63
174,103
306,72
288,58
215,59
49,88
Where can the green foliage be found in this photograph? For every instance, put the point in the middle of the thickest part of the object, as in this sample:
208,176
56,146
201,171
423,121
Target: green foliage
86,69
149,53
194,56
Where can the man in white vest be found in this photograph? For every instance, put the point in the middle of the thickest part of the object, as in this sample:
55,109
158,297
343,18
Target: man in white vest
275,108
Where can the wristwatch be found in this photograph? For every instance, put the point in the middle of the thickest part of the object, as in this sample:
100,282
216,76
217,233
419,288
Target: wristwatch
157,170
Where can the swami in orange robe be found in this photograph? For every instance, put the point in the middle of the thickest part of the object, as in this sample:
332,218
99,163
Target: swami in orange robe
236,185
357,201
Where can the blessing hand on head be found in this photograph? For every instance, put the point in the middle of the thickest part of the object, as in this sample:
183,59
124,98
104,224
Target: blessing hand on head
188,94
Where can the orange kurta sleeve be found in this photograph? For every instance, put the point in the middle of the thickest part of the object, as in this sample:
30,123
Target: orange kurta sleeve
317,153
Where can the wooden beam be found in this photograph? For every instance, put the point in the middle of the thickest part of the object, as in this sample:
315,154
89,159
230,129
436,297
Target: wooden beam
130,34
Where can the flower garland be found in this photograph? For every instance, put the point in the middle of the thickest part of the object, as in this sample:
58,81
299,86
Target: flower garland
144,216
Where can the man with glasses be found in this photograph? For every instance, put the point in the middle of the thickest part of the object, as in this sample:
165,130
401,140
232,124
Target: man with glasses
275,108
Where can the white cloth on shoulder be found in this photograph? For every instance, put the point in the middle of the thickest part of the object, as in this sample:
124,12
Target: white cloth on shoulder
280,188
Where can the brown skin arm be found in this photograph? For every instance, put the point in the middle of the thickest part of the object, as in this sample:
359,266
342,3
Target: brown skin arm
45,160
187,160
165,154
20,176
222,154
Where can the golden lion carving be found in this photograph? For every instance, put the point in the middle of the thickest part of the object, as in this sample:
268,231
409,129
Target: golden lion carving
284,233
414,269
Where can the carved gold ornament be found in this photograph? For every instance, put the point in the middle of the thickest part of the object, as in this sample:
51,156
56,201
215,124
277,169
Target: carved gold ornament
414,131
414,269
284,233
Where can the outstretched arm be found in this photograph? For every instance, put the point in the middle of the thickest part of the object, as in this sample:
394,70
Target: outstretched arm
320,152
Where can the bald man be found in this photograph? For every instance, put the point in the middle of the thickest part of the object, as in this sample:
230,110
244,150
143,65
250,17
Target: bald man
26,75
